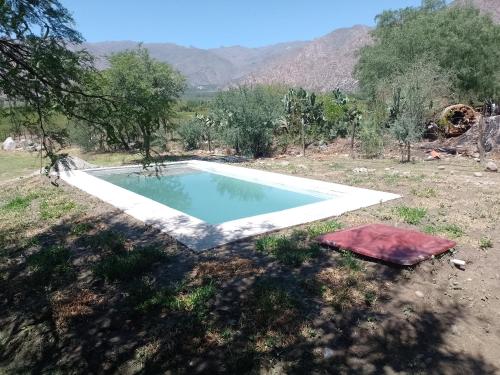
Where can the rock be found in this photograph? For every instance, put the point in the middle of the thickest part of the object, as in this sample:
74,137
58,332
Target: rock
9,144
419,294
477,160
478,174
285,163
360,170
491,167
328,353
441,167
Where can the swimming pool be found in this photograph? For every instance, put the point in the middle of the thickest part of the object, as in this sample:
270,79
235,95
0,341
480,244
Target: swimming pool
207,204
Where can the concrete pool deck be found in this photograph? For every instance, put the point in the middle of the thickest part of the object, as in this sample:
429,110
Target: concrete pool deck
199,235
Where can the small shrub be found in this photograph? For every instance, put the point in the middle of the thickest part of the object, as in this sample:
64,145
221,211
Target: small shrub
128,265
372,142
191,133
316,230
410,215
485,243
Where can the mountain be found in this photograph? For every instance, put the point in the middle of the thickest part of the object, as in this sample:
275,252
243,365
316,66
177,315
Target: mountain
491,7
323,64
206,68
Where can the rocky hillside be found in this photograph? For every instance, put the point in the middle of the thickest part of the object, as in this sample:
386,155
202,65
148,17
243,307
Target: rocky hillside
323,64
206,68
491,7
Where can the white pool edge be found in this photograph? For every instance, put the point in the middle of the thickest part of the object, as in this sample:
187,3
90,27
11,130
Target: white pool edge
198,235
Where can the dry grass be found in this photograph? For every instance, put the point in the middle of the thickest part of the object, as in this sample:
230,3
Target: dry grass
71,304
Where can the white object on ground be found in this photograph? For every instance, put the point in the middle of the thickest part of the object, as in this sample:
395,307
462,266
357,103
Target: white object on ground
458,262
9,144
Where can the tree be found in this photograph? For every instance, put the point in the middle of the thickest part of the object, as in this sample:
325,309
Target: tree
39,75
463,43
413,97
302,112
144,92
342,115
247,119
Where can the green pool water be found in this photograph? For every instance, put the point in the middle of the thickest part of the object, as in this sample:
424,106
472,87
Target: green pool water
210,197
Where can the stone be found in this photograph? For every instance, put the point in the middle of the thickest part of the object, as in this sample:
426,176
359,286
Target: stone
491,167
441,167
360,170
285,163
478,174
9,144
328,353
419,294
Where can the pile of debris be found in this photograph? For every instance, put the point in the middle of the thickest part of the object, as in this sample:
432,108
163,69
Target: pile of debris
466,143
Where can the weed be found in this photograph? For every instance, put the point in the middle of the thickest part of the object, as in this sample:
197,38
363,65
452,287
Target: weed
81,228
287,250
19,203
410,215
128,265
190,299
427,192
322,228
348,260
485,243
50,265
451,230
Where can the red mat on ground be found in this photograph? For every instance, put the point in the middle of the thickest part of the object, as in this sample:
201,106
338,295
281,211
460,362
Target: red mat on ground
394,245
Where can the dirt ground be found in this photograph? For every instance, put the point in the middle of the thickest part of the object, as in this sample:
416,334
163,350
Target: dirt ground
75,298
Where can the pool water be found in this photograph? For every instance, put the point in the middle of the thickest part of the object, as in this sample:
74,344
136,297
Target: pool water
211,197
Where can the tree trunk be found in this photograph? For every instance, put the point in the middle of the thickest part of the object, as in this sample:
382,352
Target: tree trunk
303,136
352,138
408,152
480,145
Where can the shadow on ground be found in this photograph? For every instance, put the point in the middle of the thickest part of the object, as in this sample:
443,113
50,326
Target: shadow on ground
107,294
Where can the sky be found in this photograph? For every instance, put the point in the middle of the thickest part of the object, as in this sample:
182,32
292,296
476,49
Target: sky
216,23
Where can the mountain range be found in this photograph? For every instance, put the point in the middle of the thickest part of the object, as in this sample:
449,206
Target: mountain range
321,64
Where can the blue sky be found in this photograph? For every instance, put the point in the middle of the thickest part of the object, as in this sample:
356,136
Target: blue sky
215,23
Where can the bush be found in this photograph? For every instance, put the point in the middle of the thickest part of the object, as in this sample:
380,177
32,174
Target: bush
372,142
191,133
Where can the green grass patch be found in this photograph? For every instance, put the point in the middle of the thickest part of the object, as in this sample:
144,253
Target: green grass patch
81,228
50,265
56,208
318,229
292,251
410,215
125,266
427,192
449,230
108,240
348,260
485,243
190,299
20,202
